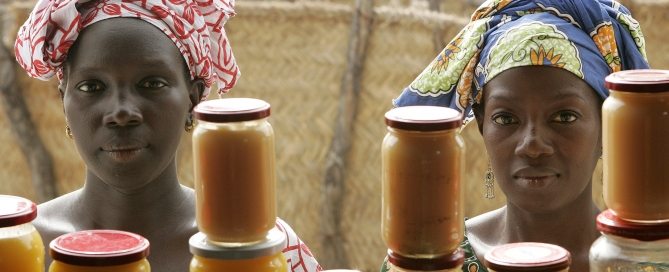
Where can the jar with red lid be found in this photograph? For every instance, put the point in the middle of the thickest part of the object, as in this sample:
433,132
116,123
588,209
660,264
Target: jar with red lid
422,168
99,251
529,257
635,122
629,246
233,154
21,248
445,263
264,256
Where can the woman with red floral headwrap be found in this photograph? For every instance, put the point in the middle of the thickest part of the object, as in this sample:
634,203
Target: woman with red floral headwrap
130,73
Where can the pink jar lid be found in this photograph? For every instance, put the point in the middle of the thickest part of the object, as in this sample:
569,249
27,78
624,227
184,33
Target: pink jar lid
227,110
449,261
527,256
99,248
423,118
16,210
639,81
609,223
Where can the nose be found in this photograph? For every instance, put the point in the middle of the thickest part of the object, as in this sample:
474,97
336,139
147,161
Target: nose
123,110
534,144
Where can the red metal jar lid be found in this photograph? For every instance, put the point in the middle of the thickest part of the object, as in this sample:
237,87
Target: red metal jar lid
639,81
423,118
99,248
609,223
449,261
527,256
16,210
227,110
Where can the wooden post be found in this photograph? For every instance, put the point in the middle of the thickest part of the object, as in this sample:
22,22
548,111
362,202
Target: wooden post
333,253
38,157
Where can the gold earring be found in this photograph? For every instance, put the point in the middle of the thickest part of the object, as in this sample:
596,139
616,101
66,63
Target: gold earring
489,181
68,131
189,124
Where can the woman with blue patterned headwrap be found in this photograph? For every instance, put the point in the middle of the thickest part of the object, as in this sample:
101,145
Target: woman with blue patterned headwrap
532,74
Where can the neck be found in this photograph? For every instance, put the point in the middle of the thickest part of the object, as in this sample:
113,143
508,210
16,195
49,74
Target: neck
571,226
141,210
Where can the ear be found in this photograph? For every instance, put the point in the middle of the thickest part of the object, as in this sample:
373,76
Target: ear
478,114
195,91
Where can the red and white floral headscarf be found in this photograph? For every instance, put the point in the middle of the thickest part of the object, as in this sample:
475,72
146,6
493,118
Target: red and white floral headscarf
195,26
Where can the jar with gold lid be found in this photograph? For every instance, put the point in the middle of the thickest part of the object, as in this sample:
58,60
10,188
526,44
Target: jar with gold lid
629,246
635,122
99,251
233,154
422,169
21,247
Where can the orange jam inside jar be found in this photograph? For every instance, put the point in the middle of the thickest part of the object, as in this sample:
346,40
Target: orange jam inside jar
446,263
99,251
264,256
635,122
529,257
21,248
233,154
422,168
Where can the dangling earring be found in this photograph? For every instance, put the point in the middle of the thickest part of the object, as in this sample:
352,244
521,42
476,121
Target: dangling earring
189,123
68,131
489,181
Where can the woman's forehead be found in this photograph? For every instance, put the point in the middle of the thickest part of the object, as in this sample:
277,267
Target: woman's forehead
123,38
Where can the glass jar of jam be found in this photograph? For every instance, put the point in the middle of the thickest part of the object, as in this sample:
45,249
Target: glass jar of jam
21,247
422,167
233,154
527,256
99,251
635,122
264,256
445,263
629,246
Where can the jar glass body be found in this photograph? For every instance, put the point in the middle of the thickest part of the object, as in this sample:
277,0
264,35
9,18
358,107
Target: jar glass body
635,126
234,180
394,268
272,263
610,253
21,249
422,202
137,266
527,269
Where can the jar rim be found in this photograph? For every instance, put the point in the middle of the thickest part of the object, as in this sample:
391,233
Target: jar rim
448,261
608,222
423,118
527,256
639,81
274,242
225,110
99,248
15,210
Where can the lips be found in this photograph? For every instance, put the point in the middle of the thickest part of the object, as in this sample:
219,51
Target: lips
124,151
535,177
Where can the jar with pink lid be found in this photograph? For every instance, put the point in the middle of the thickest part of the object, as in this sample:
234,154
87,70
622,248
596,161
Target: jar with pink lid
21,247
528,257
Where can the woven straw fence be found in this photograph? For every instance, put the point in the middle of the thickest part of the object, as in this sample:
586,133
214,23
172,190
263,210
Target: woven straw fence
294,55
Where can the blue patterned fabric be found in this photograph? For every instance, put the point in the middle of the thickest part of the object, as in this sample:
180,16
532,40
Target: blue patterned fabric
590,39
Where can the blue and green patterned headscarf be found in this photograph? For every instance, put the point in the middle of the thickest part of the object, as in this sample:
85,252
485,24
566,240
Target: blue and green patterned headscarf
589,38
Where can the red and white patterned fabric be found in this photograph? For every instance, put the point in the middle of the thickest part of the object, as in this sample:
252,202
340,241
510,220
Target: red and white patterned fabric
195,26
297,253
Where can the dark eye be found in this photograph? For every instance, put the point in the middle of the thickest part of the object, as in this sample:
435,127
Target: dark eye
153,84
565,117
90,86
504,119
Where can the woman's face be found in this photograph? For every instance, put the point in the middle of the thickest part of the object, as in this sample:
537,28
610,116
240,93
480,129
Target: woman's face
542,129
126,96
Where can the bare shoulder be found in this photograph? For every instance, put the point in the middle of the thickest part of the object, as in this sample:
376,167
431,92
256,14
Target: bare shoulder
55,217
483,231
